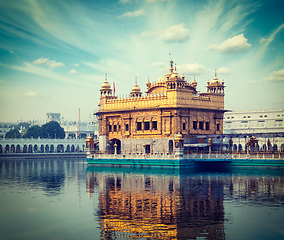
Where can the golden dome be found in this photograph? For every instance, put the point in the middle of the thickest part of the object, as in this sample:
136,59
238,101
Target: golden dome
136,88
90,139
106,85
194,83
179,136
148,84
215,80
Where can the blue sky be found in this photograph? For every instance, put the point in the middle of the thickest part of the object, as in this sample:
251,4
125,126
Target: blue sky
54,54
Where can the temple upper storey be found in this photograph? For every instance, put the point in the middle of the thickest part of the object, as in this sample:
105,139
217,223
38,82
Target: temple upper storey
171,90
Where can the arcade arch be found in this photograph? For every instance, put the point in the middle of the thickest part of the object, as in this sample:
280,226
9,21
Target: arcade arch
18,149
30,149
60,148
110,145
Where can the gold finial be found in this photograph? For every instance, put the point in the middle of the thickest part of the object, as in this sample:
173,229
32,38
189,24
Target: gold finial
215,73
135,80
106,77
171,66
175,67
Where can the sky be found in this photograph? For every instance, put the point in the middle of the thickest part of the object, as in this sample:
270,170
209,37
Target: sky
54,54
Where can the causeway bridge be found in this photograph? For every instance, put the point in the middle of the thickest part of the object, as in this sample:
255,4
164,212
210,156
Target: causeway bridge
41,145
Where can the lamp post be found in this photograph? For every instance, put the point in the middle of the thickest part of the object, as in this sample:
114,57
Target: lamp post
209,144
115,149
231,144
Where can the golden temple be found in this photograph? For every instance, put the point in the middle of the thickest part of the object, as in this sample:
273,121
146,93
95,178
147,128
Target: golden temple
171,105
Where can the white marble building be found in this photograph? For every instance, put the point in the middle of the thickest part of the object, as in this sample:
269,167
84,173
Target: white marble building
255,122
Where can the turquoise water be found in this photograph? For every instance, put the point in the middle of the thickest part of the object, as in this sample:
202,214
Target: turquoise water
68,199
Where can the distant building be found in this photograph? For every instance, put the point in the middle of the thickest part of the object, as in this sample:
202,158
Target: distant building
74,130
6,127
53,117
255,123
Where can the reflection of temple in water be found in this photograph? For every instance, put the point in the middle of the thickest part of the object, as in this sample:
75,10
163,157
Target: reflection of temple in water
152,206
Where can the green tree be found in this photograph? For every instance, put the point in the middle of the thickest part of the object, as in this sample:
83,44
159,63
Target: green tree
33,132
13,133
52,129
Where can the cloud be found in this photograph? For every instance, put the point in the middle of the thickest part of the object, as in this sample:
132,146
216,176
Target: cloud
31,209
176,33
158,64
252,82
3,81
276,76
73,71
154,1
75,64
31,94
124,1
271,37
52,64
266,39
137,13
223,71
45,73
41,61
148,34
192,69
236,44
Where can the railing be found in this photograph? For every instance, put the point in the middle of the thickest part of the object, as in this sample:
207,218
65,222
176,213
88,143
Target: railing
133,156
224,155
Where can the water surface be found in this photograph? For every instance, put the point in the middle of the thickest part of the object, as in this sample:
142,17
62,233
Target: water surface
68,199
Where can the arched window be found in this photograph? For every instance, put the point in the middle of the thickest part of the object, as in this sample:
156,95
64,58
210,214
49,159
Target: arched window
171,146
30,149
275,148
18,149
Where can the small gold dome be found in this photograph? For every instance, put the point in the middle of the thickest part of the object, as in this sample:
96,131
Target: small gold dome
194,83
136,88
178,136
90,139
148,84
106,85
215,80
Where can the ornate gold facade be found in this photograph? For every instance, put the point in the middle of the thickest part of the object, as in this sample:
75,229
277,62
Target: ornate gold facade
171,105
